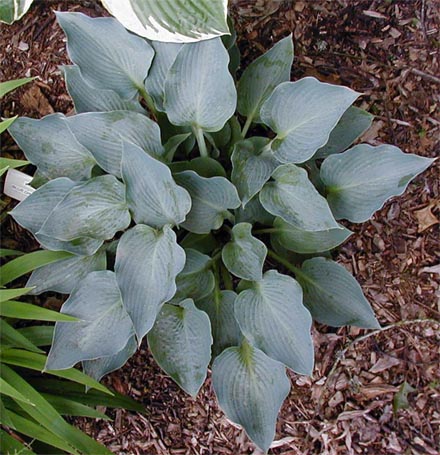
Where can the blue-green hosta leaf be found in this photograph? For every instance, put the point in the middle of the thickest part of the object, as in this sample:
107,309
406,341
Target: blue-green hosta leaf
360,180
96,209
175,21
87,98
36,208
50,145
308,242
98,368
63,276
253,213
199,90
152,195
196,280
104,327
251,167
211,199
12,10
244,255
102,134
350,127
165,54
293,197
272,317
261,77
108,56
303,114
333,296
147,263
250,388
180,342
202,165
219,306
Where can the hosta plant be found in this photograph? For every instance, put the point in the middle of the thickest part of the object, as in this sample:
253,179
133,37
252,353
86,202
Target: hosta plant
185,229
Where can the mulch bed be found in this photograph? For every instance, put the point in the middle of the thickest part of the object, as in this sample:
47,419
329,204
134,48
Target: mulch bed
389,51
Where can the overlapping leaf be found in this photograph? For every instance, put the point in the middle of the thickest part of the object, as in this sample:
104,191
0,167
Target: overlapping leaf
180,342
152,195
308,242
102,134
196,280
36,208
272,317
63,276
219,306
147,263
261,77
199,90
96,209
252,167
12,10
293,197
211,199
104,328
50,145
87,98
244,255
100,47
164,57
360,180
303,114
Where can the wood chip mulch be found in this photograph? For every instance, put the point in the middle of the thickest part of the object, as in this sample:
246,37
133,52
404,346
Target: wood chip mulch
389,51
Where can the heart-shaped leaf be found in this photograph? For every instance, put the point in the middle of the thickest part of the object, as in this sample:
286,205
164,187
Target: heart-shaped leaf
272,317
96,209
100,46
244,255
211,199
350,127
65,275
333,296
308,242
199,90
87,98
170,20
152,195
261,77
360,180
147,263
225,330
293,197
102,134
104,327
196,280
250,388
165,54
180,342
98,368
252,167
36,208
50,145
303,114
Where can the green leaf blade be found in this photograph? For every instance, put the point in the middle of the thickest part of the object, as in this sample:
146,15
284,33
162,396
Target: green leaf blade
180,342
303,114
244,255
250,388
293,197
333,296
360,180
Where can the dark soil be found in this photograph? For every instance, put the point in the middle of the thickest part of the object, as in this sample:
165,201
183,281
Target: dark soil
389,51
